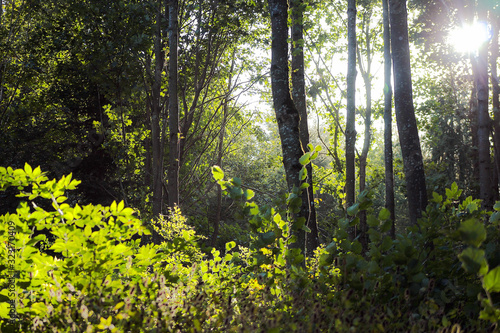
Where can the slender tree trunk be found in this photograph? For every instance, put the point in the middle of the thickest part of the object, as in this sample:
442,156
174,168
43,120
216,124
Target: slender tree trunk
225,115
405,112
156,132
474,157
389,168
156,146
363,157
495,25
483,133
350,131
287,115
147,147
299,99
173,109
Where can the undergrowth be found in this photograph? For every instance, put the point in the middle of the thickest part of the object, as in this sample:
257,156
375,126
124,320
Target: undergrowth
67,268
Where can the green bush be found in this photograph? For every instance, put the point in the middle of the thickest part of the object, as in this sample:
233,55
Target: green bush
83,269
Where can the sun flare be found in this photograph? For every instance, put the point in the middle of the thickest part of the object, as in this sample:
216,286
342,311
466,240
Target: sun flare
468,38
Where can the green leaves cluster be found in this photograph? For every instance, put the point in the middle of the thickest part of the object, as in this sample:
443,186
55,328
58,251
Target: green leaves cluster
84,268
88,259
482,241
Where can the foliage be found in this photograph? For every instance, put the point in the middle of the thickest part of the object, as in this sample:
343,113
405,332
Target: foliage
94,274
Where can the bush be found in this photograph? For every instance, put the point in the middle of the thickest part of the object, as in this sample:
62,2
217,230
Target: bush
83,269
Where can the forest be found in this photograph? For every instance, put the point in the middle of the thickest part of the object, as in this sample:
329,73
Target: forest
249,166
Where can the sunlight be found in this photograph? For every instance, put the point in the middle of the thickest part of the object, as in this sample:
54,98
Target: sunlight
468,38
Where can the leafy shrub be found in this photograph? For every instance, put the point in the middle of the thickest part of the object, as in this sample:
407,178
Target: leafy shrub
93,274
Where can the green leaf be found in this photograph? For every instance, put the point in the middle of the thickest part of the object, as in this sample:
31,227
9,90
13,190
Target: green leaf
304,159
127,211
302,174
472,232
353,210
230,246
495,217
491,281
437,198
58,246
217,173
120,248
356,247
372,221
249,194
454,192
304,186
384,214
27,169
386,226
268,237
473,260
37,172
236,181
87,231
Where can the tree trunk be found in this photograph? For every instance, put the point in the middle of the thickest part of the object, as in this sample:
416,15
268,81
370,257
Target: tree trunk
366,75
220,150
148,172
156,146
173,109
350,130
299,99
156,132
495,26
474,157
405,112
483,131
389,168
287,115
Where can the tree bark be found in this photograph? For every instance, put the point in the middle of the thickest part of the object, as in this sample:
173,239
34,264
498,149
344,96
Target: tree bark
156,132
299,99
474,157
156,146
388,157
350,130
405,111
350,127
148,172
483,131
495,26
363,157
220,150
287,115
173,108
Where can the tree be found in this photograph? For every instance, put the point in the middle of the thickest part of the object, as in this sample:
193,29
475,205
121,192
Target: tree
388,157
495,94
157,141
287,115
220,148
483,130
350,130
299,99
405,111
366,74
173,109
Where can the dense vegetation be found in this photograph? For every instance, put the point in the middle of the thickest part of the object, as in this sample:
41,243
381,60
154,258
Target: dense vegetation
195,166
